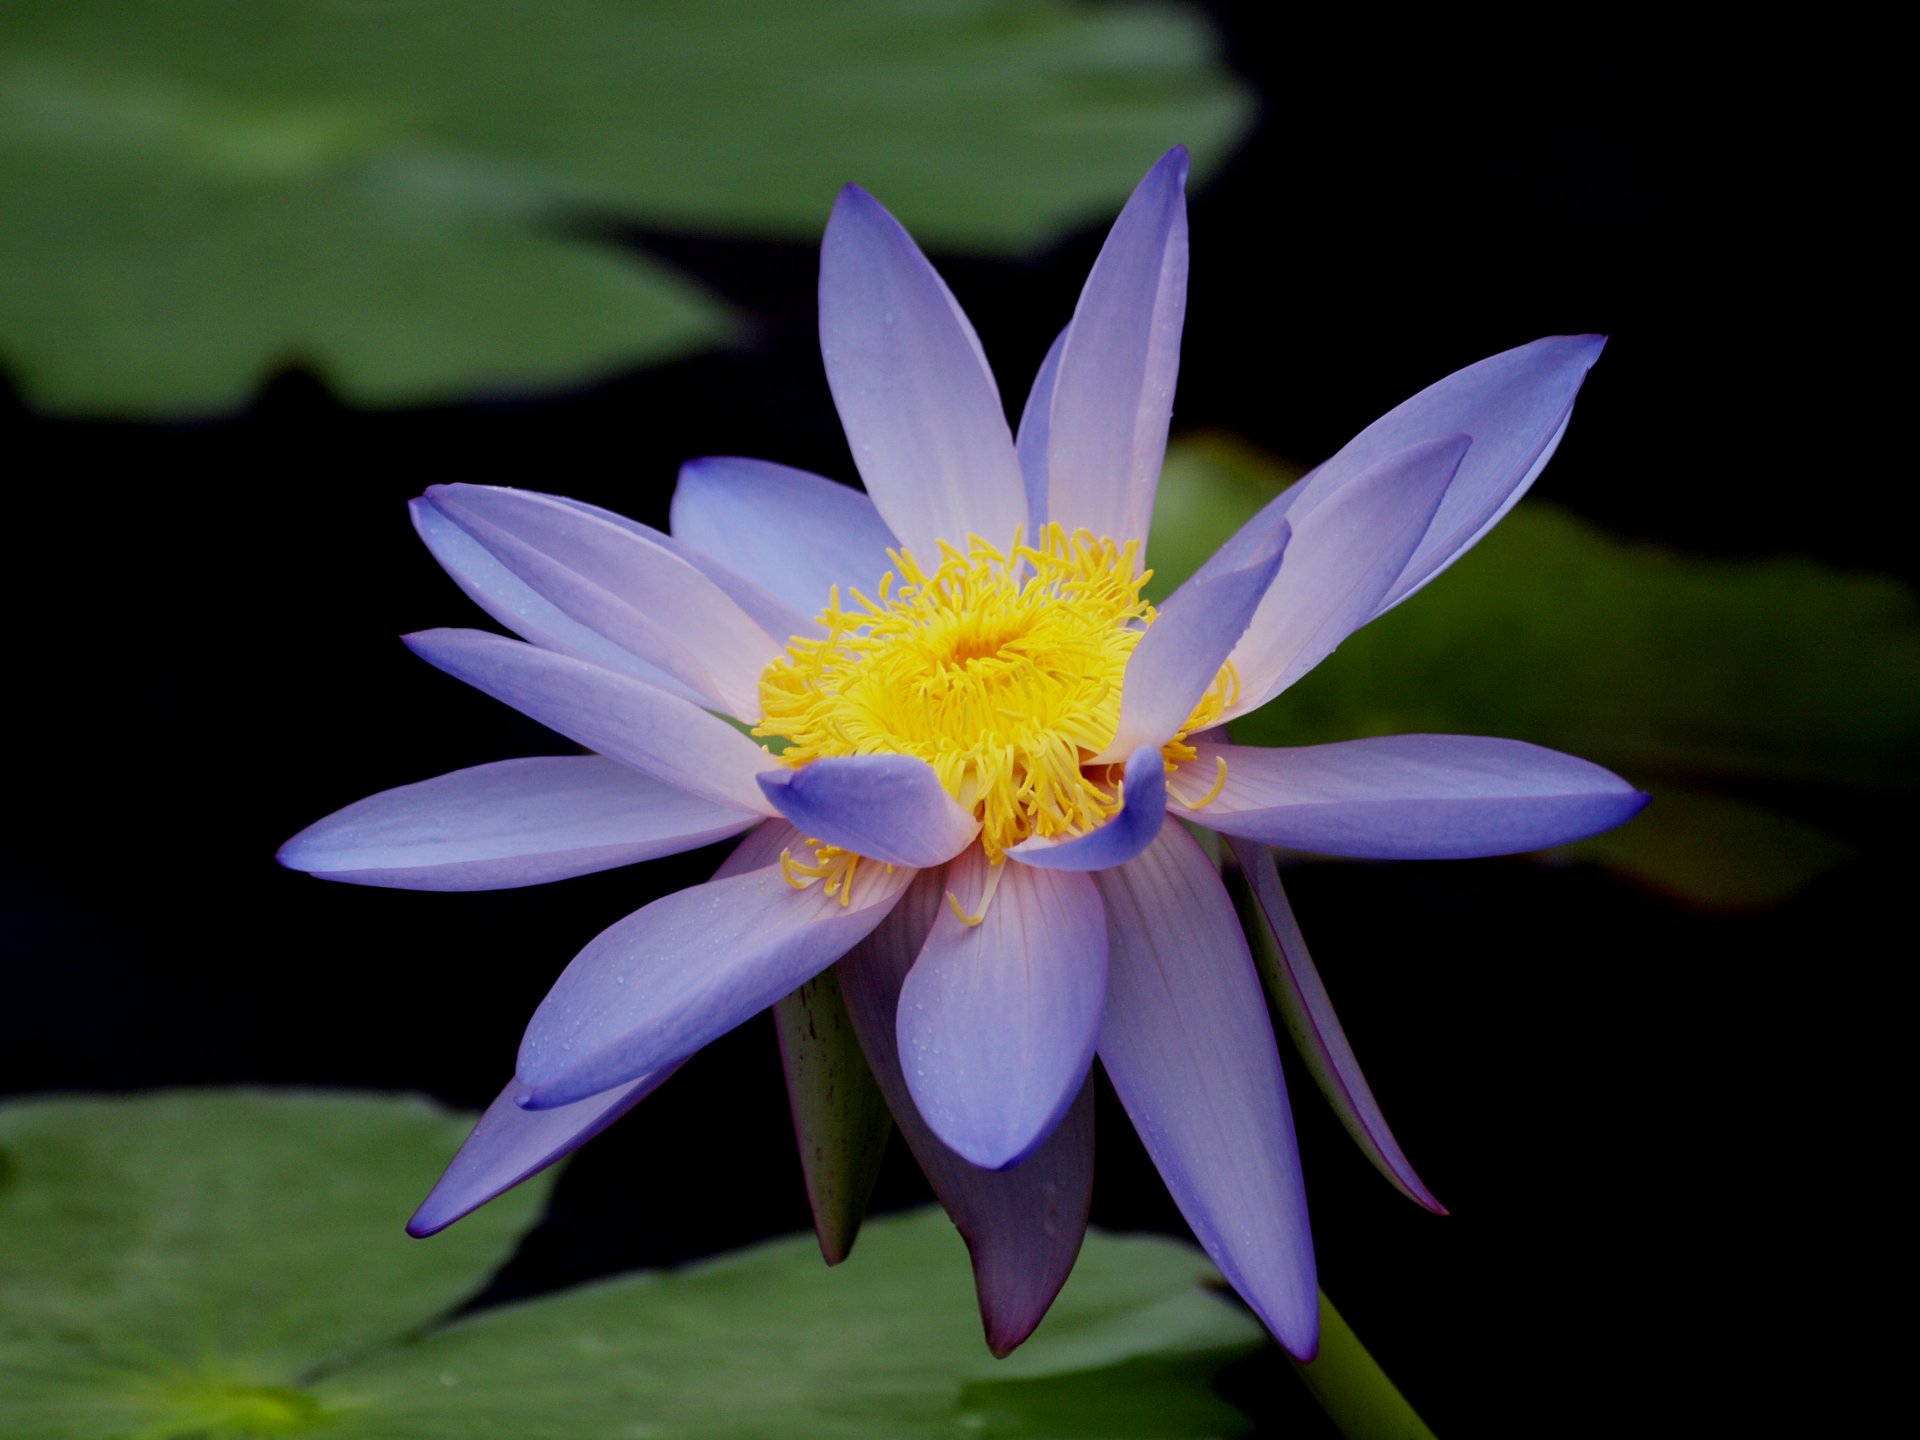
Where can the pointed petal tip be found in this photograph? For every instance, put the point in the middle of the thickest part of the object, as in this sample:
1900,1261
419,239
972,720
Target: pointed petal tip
421,1226
1177,163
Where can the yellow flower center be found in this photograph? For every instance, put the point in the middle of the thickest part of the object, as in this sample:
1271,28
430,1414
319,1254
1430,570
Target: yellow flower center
1001,669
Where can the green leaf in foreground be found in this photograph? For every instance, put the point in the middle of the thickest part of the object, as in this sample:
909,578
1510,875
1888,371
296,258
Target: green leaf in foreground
222,1265
1694,678
412,199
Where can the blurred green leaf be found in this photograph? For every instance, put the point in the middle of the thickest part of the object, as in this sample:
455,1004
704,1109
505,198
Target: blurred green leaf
219,1266
1688,676
405,197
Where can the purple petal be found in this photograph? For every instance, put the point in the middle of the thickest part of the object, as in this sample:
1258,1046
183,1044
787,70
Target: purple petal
1295,987
796,533
886,807
510,1145
1341,559
913,388
636,592
650,990
514,603
1030,444
1022,1226
1189,640
997,1019
1143,806
840,1118
1515,405
517,822
1414,797
1114,394
656,733
1188,1046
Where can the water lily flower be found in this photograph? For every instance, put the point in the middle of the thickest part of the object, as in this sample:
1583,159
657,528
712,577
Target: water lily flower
982,752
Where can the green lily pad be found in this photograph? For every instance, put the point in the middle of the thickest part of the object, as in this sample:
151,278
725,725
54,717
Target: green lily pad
405,198
1698,679
211,1266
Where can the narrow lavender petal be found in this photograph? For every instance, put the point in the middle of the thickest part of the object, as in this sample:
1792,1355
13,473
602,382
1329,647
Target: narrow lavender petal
1343,556
1143,806
1022,1226
1030,443
656,733
1515,405
510,1145
891,808
919,405
621,583
1296,989
997,1020
796,533
1114,394
1189,640
1413,797
512,602
653,988
1188,1046
517,822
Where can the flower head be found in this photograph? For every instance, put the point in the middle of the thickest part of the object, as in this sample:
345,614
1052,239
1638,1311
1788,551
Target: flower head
978,743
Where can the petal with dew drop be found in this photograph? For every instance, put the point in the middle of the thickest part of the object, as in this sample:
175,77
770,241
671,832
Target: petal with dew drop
1023,1226
1114,393
912,386
512,823
1188,1046
1414,797
997,1018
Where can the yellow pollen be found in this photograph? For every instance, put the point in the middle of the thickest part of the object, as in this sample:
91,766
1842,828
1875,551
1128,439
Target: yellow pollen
1002,669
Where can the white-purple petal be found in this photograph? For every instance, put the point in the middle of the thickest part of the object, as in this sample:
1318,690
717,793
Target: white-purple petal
656,733
511,1144
1188,1046
1343,556
796,533
1304,1005
1143,806
912,386
891,808
515,604
997,1019
1413,797
1023,1226
1515,405
653,988
1114,393
1030,442
622,583
516,822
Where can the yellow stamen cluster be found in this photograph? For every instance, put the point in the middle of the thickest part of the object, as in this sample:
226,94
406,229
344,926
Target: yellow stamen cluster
1001,669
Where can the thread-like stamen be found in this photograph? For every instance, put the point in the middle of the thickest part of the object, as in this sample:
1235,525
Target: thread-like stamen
1219,784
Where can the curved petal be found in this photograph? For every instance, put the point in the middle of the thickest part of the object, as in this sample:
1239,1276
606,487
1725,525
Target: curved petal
1030,444
1343,556
886,807
632,590
1515,405
517,822
1414,797
912,387
1188,1046
510,1145
650,990
1143,806
515,604
998,1017
1296,989
1022,1226
1188,642
1114,395
656,733
796,533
